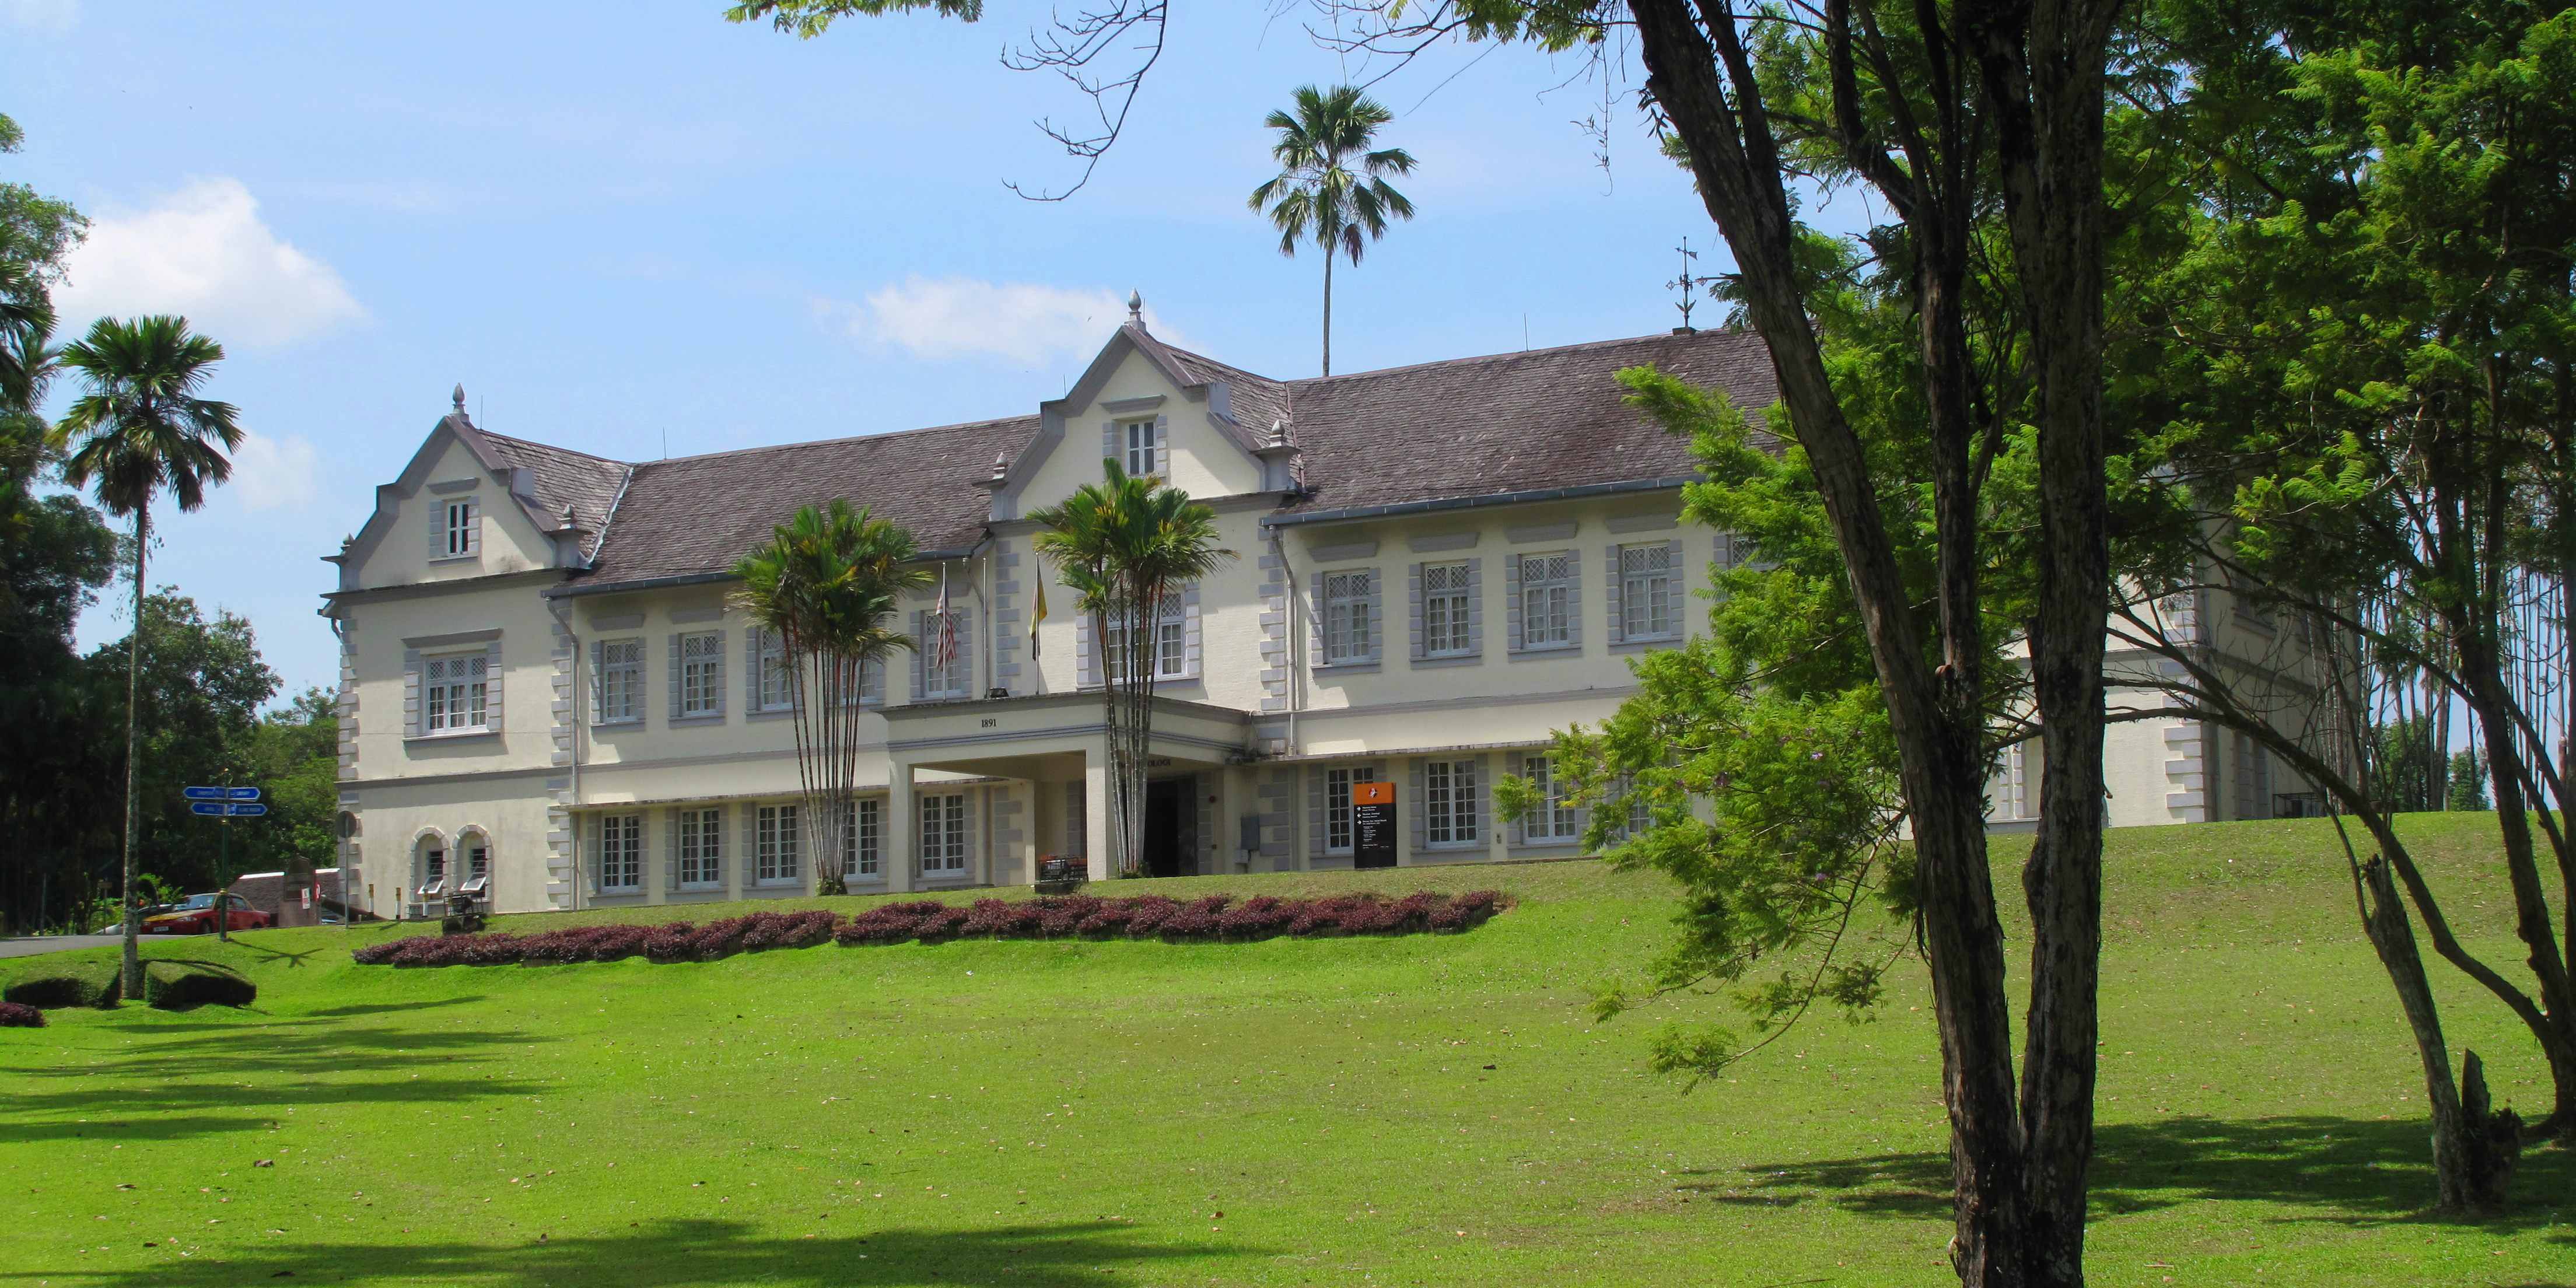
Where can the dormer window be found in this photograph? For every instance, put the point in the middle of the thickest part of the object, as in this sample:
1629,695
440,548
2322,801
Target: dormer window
462,529
1142,449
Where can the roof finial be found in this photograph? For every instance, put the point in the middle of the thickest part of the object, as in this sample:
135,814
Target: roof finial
459,397
1278,433
1001,465
1136,308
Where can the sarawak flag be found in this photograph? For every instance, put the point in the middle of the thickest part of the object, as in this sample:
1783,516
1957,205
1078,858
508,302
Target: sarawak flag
1038,617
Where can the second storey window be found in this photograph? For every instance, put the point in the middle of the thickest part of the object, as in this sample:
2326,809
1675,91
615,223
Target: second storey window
1141,445
777,691
777,843
460,528
1449,802
1350,631
942,652
1646,607
1166,649
453,690
701,675
1337,805
1553,818
701,847
943,833
621,852
1547,599
617,686
1444,609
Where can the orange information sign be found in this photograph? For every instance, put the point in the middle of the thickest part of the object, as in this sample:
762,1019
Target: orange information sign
1372,793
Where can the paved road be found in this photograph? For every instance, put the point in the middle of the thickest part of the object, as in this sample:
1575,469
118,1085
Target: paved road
35,944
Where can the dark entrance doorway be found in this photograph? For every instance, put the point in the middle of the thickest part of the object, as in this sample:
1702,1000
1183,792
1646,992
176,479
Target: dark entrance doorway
1167,821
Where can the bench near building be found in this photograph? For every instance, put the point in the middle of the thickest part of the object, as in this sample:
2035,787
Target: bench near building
545,691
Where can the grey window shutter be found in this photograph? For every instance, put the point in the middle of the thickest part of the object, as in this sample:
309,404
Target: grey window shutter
1420,810
974,819
1315,811
1574,598
920,648
751,651
1512,600
1520,826
1163,446
1110,448
1476,607
1611,596
1377,615
670,849
1082,651
411,694
716,672
966,645
713,837
1315,622
437,528
588,860
1484,799
492,676
1190,638
1413,610
673,711
1680,586
473,525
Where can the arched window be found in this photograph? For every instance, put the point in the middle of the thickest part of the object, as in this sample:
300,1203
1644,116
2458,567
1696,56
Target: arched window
430,869
473,861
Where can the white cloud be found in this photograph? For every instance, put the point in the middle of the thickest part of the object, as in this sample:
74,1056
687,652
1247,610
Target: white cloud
203,252
43,15
958,317
273,473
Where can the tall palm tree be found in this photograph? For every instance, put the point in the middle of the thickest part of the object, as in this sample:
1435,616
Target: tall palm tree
1317,194
1127,547
827,585
142,428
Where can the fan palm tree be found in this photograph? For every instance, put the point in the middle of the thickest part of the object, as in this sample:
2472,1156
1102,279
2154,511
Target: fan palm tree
827,584
1317,194
142,428
1126,546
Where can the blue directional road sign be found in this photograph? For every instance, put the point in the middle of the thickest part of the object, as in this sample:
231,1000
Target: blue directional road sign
220,793
206,807
239,810
219,809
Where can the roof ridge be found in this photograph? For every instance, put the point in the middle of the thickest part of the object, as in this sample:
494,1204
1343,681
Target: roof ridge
1309,381
551,447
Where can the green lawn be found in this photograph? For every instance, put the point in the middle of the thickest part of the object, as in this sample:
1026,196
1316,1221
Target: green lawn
1432,1109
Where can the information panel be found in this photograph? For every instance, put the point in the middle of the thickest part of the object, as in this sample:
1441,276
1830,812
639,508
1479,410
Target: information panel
1372,825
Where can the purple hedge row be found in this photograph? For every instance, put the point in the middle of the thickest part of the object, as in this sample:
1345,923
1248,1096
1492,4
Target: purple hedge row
14,1015
1152,916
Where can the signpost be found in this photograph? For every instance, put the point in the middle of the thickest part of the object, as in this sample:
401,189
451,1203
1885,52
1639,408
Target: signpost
226,803
1372,825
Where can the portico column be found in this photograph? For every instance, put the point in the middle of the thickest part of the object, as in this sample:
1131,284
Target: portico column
902,849
1095,817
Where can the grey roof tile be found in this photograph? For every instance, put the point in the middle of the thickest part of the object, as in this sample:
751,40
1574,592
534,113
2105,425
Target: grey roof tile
588,484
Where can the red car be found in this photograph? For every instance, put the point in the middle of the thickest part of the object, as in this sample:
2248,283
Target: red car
197,917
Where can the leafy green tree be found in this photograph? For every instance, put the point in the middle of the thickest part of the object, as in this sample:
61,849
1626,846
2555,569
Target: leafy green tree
141,427
2468,783
1331,188
827,584
202,686
1128,547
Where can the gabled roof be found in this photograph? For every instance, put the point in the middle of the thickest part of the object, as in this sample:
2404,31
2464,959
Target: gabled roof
564,479
699,514
1508,422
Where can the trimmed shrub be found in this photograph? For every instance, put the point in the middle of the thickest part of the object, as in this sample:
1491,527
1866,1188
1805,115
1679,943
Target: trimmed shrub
174,986
1258,917
94,987
19,1015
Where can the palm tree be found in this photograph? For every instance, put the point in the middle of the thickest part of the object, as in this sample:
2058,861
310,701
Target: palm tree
139,429
1317,194
1127,547
826,585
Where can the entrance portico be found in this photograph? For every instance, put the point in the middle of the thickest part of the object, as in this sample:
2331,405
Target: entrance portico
1057,744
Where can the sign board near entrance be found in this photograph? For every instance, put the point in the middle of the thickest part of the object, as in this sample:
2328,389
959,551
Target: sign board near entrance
1372,825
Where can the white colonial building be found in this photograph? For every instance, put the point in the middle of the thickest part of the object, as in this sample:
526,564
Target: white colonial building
544,689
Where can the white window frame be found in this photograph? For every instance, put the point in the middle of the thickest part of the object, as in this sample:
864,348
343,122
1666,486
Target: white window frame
1449,803
433,870
1339,829
1142,447
862,839
943,833
1349,622
1547,599
958,678
1649,608
462,524
1554,820
701,675
1448,598
701,843
777,691
1171,642
454,692
617,689
621,853
778,844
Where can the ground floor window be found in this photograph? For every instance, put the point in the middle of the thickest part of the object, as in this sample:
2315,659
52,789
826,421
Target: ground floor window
701,844
1449,802
621,852
859,839
1554,818
433,869
1337,805
943,833
777,842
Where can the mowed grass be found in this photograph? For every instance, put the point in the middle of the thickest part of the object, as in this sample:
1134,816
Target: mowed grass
1423,1110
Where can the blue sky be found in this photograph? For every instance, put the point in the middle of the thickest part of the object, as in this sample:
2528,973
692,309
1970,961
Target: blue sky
616,222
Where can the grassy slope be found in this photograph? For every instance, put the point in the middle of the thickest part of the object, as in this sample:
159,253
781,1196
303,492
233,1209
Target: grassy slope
1077,1114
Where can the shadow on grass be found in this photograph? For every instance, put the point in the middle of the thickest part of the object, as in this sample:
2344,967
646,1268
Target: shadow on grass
2346,1170
1083,1255
380,1008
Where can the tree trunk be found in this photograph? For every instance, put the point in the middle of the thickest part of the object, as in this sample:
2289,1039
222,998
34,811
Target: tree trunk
1328,308
2383,919
133,978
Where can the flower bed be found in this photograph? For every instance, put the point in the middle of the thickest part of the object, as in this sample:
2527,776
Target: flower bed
1216,918
16,1015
